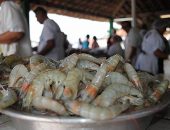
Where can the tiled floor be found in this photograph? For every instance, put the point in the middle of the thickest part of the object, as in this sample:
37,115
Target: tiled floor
160,122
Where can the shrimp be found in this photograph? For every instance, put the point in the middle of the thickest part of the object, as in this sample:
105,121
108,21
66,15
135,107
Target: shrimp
133,100
90,58
133,76
21,78
34,97
95,112
7,97
49,104
72,81
113,92
159,91
85,64
116,77
69,62
37,59
35,71
27,79
90,92
113,61
147,80
119,67
17,72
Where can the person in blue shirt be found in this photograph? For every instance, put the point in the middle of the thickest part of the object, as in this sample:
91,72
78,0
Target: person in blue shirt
85,43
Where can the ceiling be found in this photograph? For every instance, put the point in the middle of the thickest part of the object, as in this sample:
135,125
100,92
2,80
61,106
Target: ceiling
103,10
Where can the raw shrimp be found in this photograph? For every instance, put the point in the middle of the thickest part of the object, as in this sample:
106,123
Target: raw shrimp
95,112
27,79
35,71
147,80
116,77
115,91
69,62
91,58
119,67
133,100
159,91
50,78
7,97
85,64
38,59
72,81
113,62
133,76
17,72
90,92
49,104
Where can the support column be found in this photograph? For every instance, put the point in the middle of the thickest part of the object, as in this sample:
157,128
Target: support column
133,12
111,26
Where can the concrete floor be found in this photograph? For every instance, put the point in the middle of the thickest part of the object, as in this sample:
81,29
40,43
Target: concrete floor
161,121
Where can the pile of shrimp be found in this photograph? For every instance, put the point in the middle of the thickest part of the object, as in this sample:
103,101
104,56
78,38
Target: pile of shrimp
81,85
6,65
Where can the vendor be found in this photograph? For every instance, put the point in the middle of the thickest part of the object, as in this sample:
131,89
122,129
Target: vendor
14,32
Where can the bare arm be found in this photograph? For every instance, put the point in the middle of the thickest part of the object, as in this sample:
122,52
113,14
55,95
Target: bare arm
9,37
160,54
50,45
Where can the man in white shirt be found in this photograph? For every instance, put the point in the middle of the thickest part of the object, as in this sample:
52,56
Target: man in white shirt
51,42
14,32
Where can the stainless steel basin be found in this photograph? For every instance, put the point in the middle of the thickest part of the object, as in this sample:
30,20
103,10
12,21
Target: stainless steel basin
137,120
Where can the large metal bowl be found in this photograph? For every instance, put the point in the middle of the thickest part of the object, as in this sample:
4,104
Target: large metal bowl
137,120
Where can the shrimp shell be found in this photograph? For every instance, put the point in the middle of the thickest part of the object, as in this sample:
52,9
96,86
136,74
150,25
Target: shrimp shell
49,104
41,82
85,64
69,62
133,100
116,77
90,58
95,112
17,72
159,91
38,59
90,92
133,76
71,83
113,92
113,61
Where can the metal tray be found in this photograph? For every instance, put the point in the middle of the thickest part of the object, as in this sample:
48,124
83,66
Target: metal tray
136,120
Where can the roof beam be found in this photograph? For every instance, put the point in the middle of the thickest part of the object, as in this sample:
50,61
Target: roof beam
155,12
79,10
119,5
